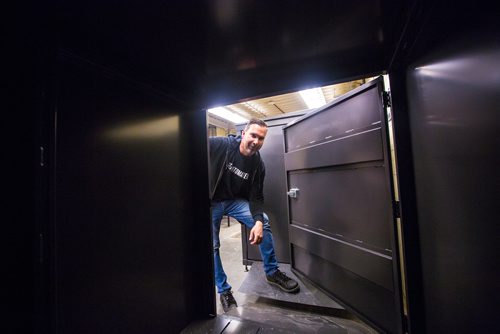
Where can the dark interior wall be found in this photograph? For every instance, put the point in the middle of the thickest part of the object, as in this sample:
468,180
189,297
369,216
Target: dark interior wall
122,253
19,114
160,43
21,105
124,149
450,87
453,103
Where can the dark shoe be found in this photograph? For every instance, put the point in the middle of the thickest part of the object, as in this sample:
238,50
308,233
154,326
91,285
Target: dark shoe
227,300
282,281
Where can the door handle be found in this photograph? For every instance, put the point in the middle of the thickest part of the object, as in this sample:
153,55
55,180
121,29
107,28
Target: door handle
293,192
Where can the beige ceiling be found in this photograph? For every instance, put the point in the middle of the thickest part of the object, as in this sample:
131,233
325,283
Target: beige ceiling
276,105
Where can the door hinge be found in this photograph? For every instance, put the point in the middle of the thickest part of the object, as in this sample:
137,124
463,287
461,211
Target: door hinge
396,208
386,98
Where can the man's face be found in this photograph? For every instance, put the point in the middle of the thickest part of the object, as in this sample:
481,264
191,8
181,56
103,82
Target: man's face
252,139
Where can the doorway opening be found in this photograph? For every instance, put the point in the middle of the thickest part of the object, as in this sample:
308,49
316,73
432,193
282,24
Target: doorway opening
238,257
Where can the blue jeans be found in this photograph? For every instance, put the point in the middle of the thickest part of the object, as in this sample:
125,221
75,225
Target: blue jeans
240,210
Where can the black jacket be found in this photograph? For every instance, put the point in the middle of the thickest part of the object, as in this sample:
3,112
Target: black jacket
219,149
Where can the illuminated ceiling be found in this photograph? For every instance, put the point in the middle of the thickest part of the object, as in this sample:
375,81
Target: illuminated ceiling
273,106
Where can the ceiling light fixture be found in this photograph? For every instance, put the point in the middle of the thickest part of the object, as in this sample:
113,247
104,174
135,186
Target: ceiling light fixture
227,115
313,97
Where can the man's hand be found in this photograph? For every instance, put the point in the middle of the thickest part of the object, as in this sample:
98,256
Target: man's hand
256,233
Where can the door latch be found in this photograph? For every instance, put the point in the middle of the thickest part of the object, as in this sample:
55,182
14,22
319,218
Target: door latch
293,192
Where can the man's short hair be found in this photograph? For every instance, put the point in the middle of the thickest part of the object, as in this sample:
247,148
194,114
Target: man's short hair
257,121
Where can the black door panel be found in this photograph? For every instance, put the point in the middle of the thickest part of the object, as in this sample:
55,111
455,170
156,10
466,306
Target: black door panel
352,208
335,120
358,147
342,229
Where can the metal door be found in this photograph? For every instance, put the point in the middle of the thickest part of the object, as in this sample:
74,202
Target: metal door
275,199
342,226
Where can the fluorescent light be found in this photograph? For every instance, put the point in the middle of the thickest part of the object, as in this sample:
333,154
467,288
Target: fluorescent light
226,114
313,97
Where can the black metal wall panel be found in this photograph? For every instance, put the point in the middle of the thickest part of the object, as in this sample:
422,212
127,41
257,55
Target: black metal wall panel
342,224
453,101
124,235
